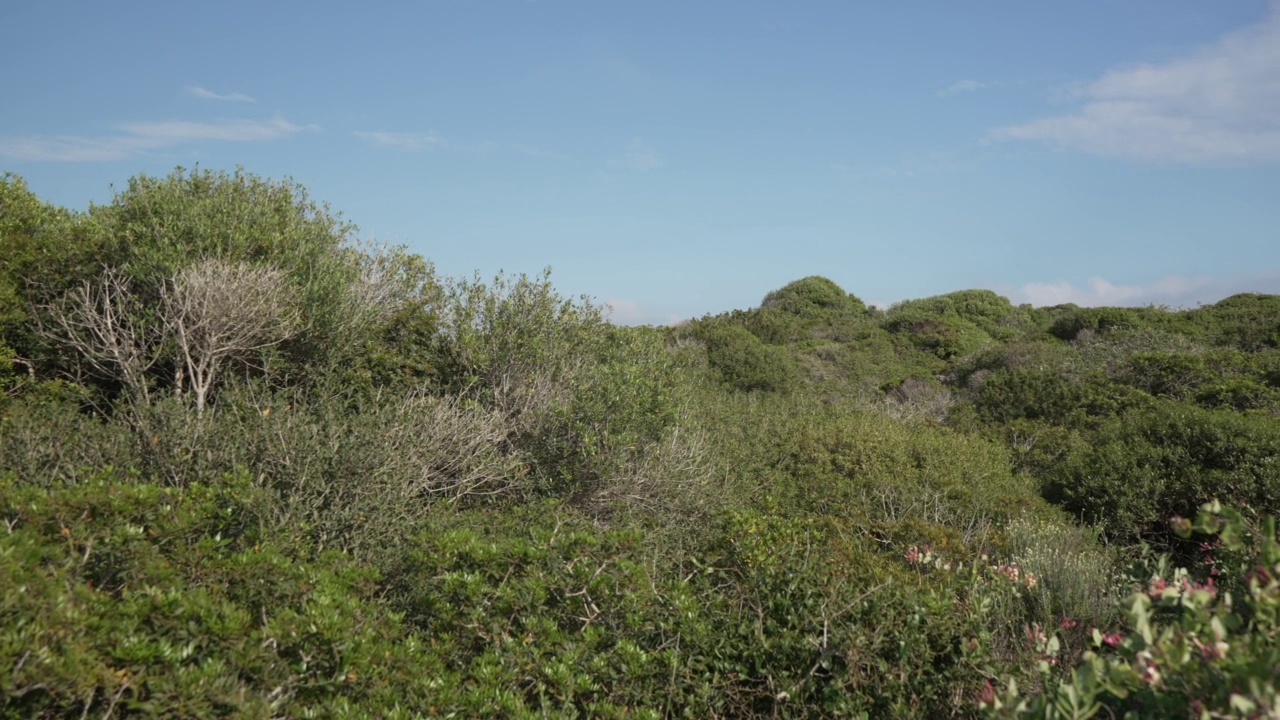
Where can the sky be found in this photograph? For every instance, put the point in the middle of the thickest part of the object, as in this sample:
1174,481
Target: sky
673,159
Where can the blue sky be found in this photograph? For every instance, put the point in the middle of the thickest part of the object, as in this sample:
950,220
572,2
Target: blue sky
675,159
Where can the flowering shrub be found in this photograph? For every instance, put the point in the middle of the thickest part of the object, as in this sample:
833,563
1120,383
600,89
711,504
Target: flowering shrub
1190,648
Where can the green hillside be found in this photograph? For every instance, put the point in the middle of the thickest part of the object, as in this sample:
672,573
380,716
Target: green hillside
252,466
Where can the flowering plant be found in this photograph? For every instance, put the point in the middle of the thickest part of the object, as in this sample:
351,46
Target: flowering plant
1191,648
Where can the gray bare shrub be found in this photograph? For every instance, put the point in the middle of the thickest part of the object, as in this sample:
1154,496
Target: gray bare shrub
670,478
918,399
217,311
361,478
109,330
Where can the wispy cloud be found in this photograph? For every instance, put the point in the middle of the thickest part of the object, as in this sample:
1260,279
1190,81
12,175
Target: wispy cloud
138,137
428,141
1174,290
205,94
1220,105
403,141
962,86
639,156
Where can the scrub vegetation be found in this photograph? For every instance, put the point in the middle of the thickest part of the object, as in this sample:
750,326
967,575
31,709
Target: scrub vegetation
253,466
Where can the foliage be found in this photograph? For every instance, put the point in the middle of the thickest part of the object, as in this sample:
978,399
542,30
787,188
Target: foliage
812,296
45,252
1075,574
990,312
1150,464
1248,321
1081,323
579,397
947,335
1189,646
125,598
253,466
191,217
743,362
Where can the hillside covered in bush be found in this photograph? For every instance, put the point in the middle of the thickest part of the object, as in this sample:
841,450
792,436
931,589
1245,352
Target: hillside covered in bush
253,466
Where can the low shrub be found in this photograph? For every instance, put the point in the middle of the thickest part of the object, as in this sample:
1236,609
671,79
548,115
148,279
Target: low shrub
743,362
1189,647
1167,460
125,598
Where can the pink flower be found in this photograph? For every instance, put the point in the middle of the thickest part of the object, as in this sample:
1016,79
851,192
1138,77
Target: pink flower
1150,670
1158,586
988,692
913,555
1113,639
1067,623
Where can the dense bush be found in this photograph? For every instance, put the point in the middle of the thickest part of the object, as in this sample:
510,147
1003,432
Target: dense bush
1148,465
812,296
1031,395
947,336
123,598
578,396
1189,645
252,466
743,362
1070,325
1248,321
990,312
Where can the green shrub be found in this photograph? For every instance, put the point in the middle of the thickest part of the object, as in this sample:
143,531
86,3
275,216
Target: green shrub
49,441
883,474
949,337
1239,394
1189,646
813,296
1031,395
578,395
45,251
745,363
127,598
1167,460
1072,323
1172,375
991,313
1248,321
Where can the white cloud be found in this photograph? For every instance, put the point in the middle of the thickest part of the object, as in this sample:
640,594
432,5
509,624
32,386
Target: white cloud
640,156
962,86
402,141
140,137
175,132
427,141
1173,290
1220,105
206,94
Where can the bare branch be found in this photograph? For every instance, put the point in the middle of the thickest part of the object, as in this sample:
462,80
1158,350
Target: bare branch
218,311
103,322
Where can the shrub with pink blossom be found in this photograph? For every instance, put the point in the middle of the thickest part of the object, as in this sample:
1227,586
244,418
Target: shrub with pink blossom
1190,648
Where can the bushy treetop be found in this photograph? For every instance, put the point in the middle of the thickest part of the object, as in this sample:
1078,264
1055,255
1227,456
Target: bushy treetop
813,295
